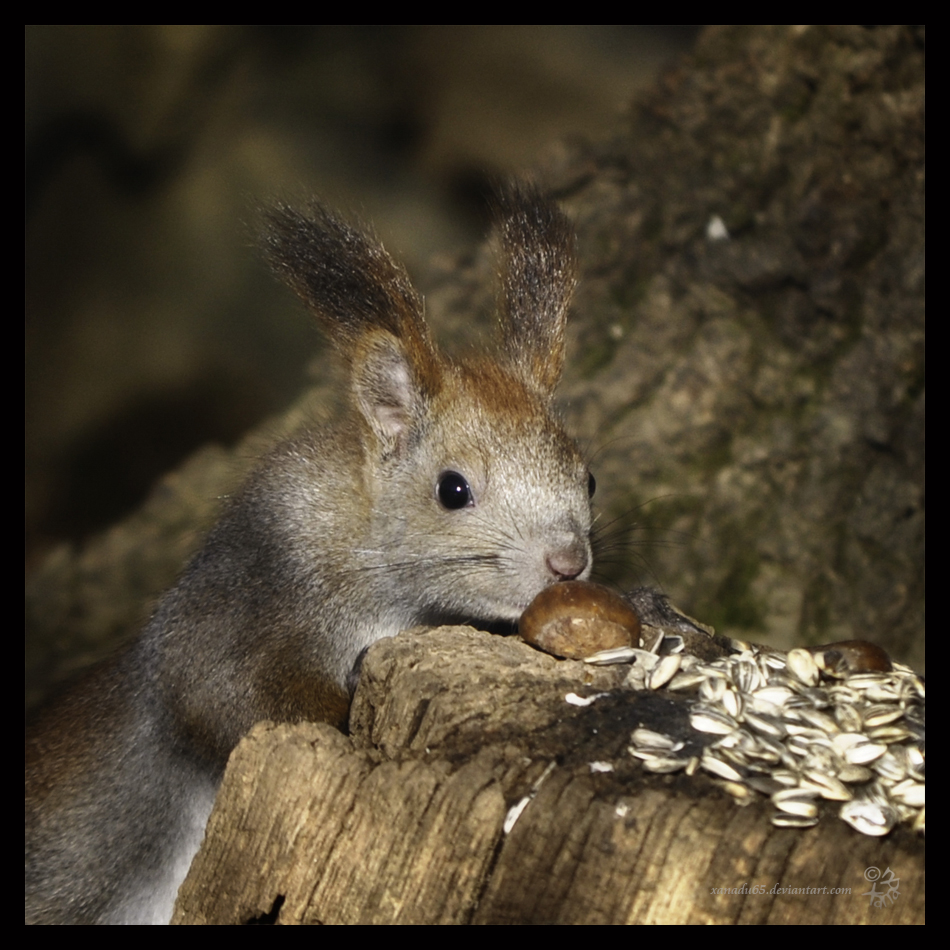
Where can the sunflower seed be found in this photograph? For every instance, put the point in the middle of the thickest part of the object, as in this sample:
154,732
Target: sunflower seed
732,703
776,695
687,680
909,792
672,643
880,714
767,725
816,718
861,753
650,739
718,767
826,785
614,655
798,806
741,793
890,734
665,764
785,777
709,719
802,665
869,817
854,774
848,717
783,820
664,671
712,690
890,767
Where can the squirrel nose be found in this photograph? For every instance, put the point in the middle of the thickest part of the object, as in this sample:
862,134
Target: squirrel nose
568,563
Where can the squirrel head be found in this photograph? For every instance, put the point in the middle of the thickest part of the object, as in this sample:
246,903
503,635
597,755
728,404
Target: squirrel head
465,464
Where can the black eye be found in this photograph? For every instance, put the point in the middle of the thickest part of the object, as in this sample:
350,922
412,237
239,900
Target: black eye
591,485
453,491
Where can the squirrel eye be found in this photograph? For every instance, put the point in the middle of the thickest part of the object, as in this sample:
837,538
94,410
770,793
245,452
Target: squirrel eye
591,484
453,491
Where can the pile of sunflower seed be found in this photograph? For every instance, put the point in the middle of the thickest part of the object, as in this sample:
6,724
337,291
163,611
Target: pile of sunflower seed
796,729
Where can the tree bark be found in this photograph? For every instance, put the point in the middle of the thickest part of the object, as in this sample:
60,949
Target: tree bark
403,821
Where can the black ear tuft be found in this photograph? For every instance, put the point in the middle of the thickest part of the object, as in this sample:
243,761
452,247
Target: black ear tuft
344,275
538,276
351,285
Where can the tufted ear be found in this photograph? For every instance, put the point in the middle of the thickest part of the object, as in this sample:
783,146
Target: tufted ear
538,276
352,286
387,392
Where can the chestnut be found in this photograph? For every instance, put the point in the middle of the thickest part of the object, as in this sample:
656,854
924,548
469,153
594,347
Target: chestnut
575,619
852,656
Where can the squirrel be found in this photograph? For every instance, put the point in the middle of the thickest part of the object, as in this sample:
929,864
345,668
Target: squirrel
448,491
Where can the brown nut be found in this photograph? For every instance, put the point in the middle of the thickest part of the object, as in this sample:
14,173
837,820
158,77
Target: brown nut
852,656
575,619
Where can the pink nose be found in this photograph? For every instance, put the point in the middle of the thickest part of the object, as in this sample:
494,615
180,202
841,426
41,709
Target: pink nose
567,564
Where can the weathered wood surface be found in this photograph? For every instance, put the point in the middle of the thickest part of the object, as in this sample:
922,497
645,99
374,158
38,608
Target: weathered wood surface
402,821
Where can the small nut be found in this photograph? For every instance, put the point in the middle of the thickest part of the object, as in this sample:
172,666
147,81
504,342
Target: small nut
575,619
851,656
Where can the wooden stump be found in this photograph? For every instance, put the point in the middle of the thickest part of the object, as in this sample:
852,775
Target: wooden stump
403,821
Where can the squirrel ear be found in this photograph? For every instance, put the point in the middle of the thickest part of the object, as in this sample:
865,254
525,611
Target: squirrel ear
386,391
538,275
346,278
366,304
